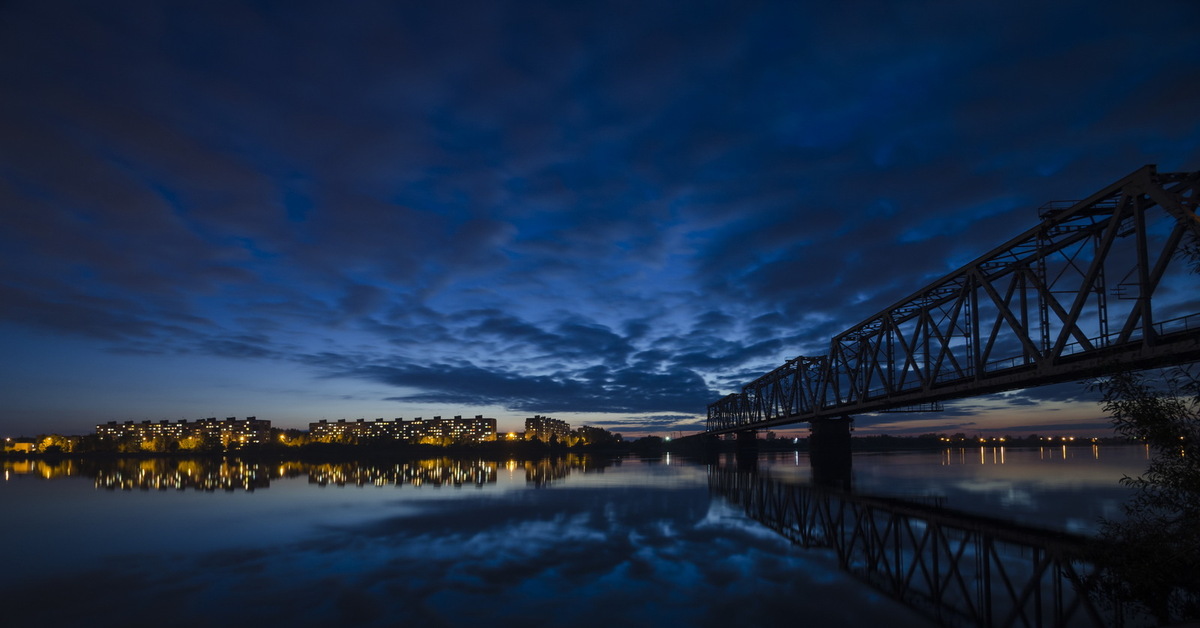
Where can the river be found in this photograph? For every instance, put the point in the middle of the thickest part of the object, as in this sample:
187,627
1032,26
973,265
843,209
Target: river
572,541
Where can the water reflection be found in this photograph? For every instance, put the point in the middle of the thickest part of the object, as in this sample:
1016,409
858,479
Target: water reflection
567,540
47,470
161,475
1037,486
957,568
991,454
548,543
211,474
437,472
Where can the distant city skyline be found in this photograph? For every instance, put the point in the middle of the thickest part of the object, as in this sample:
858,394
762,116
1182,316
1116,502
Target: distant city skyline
1073,419
611,217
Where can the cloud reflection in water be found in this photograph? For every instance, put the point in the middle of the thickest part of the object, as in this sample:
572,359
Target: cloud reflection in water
643,556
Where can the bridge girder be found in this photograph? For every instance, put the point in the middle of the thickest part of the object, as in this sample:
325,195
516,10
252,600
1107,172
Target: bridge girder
1071,298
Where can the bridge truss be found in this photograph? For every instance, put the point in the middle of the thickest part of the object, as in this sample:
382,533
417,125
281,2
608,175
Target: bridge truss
1072,298
957,568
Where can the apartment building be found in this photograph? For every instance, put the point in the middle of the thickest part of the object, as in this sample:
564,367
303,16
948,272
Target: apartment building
543,428
458,429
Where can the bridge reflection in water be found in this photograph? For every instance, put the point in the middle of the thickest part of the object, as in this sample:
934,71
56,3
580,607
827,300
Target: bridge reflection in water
955,567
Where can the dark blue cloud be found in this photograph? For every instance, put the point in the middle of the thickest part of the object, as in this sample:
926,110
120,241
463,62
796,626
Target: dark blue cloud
595,389
530,191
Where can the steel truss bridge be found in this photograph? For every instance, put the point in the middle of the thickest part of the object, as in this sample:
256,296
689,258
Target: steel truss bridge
1072,298
957,568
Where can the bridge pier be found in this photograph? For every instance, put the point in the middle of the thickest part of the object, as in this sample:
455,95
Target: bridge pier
710,449
829,452
747,450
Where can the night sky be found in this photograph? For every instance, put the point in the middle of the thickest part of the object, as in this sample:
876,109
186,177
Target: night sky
608,212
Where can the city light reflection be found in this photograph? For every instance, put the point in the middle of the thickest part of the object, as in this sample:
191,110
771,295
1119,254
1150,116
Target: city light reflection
363,520
201,474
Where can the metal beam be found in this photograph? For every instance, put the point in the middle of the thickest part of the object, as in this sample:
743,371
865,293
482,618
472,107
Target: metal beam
973,331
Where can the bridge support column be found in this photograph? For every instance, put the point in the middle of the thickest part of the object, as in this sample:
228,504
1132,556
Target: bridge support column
709,448
747,449
829,452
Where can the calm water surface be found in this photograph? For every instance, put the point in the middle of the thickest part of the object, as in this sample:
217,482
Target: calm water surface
579,541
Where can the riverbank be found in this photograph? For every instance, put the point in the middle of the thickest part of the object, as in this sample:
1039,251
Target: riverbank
505,449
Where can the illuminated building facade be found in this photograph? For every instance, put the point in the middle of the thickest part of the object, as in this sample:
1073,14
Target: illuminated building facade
250,430
458,429
21,445
353,429
543,428
145,429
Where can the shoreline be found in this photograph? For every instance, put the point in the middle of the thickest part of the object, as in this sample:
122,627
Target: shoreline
504,450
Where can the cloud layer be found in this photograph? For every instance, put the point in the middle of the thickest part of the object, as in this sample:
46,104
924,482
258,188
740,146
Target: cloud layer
625,210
